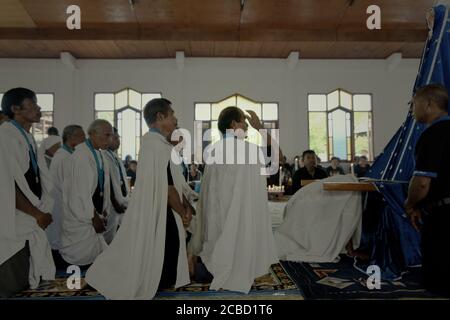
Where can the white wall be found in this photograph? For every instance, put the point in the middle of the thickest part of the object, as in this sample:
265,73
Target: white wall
209,79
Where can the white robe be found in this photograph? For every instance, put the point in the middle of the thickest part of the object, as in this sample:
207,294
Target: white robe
21,227
114,218
80,243
318,224
46,144
233,235
58,170
131,267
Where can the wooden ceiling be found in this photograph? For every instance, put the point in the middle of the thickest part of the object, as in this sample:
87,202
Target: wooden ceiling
212,28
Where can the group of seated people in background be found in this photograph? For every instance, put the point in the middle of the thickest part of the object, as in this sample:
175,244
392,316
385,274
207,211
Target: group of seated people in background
308,167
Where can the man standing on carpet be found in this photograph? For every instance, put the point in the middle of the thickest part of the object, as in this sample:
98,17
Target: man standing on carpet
233,233
429,188
149,250
27,176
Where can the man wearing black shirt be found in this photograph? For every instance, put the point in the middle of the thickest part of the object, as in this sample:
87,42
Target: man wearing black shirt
308,172
429,188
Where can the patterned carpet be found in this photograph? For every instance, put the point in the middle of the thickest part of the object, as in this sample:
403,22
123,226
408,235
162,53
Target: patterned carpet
338,281
277,285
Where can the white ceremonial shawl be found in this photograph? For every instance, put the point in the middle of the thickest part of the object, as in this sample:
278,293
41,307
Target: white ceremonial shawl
58,170
233,231
80,243
318,224
131,267
16,155
114,218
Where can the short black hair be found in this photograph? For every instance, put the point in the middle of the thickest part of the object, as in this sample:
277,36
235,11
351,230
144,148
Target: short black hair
155,106
133,161
308,152
227,116
115,130
363,157
335,158
52,131
15,97
435,92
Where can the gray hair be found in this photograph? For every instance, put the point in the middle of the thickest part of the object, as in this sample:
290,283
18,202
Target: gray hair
96,125
70,131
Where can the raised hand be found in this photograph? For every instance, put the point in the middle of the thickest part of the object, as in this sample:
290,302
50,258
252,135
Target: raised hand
254,120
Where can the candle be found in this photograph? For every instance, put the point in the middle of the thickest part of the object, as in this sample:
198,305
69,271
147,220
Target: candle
352,169
296,164
281,171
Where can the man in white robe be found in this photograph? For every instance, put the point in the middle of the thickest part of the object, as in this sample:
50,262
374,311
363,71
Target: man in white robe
50,145
86,192
319,225
120,189
73,135
23,221
149,250
234,233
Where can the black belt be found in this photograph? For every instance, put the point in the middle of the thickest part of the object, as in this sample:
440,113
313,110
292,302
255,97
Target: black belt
442,202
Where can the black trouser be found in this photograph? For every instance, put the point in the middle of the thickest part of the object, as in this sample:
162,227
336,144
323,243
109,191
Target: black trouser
435,250
14,273
171,249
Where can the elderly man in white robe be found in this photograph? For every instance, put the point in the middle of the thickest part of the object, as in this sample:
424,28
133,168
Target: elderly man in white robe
26,189
120,189
149,250
73,135
233,236
319,225
86,192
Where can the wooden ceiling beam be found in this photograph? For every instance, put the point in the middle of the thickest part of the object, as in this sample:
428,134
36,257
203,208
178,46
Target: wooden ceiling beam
165,34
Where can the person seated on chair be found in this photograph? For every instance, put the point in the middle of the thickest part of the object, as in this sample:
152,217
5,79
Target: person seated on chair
309,172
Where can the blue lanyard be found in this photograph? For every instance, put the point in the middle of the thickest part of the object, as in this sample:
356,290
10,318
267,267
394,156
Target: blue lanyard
68,149
100,170
31,152
118,166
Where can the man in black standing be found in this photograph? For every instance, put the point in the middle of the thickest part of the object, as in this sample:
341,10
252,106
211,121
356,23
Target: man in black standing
429,189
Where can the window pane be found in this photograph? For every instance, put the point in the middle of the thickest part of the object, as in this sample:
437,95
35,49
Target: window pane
106,115
104,101
317,102
146,97
45,101
270,111
318,133
121,99
363,134
215,133
362,102
202,111
40,129
333,100
346,100
339,131
128,126
218,107
135,99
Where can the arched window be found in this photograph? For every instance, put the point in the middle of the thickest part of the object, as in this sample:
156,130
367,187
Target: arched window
208,114
340,125
123,109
